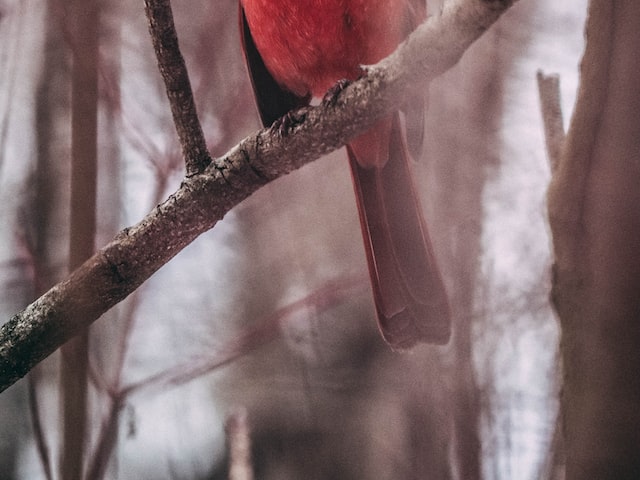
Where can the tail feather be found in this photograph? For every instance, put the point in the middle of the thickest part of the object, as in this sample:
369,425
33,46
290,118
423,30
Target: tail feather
408,289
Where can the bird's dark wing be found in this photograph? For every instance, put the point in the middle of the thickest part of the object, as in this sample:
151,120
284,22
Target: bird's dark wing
273,100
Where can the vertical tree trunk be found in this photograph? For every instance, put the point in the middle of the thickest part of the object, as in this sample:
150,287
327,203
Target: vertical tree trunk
594,210
49,221
83,22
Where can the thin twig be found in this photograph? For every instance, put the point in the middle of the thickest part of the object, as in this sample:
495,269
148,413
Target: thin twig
106,441
549,90
239,445
36,422
176,80
260,334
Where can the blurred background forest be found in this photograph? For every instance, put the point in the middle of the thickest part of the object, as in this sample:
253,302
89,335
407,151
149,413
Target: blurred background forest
271,310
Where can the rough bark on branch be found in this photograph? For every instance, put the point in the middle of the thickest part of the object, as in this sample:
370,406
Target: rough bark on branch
203,199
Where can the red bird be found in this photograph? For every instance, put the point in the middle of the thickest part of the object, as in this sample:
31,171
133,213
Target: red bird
298,49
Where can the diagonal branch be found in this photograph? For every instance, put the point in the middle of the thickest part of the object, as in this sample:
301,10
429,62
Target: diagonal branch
203,199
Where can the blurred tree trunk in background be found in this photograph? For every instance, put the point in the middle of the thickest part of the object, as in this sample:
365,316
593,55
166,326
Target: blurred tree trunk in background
594,209
81,21
49,214
465,110
34,171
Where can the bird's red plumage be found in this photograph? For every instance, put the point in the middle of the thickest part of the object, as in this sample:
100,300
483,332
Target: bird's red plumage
306,46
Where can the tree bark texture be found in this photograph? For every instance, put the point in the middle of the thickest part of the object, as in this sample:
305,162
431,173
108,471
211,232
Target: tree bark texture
594,210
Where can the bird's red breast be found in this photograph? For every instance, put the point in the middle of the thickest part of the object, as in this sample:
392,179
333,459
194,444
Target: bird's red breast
308,45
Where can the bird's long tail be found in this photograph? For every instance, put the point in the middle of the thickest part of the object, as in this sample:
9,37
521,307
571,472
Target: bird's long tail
409,293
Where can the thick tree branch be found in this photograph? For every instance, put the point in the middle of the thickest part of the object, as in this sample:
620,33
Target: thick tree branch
203,199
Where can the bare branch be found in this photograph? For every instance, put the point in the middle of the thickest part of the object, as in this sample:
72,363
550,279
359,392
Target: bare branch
260,334
549,91
203,199
176,80
42,446
239,444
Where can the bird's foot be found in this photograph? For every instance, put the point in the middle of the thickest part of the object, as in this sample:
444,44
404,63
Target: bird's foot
289,121
331,97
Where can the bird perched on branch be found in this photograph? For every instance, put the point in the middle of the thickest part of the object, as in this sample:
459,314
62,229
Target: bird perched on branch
299,49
